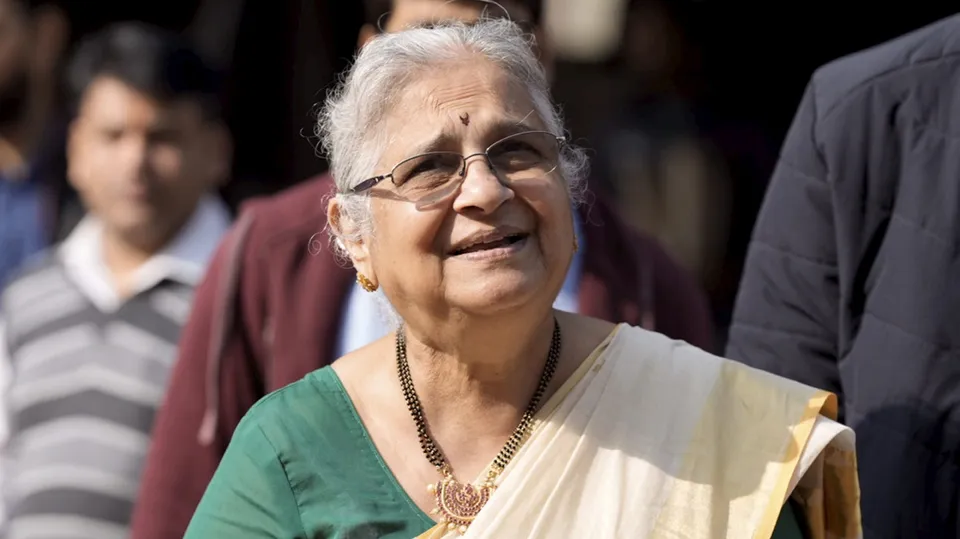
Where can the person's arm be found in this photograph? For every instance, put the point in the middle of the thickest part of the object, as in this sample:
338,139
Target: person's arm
179,464
250,496
787,311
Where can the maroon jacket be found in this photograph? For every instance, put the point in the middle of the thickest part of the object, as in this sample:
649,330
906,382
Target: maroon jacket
269,312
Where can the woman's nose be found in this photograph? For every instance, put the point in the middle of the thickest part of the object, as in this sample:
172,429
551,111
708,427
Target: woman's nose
481,187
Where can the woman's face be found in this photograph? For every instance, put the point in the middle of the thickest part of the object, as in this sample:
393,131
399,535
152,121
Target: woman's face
484,247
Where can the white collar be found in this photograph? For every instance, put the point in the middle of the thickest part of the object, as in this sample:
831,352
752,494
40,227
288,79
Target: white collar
184,259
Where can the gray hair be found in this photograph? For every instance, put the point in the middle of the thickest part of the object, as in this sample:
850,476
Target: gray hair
349,126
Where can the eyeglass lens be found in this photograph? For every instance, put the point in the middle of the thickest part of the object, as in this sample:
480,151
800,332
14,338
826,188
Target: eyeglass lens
524,156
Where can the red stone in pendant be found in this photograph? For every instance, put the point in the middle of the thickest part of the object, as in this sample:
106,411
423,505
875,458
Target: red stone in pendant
460,503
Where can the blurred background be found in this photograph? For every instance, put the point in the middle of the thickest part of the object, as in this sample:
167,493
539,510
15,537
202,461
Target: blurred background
684,103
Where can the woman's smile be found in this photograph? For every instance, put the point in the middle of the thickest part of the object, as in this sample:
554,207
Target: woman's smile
498,249
491,244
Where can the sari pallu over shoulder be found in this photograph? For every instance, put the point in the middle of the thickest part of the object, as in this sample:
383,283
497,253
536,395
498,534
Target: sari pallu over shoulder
653,438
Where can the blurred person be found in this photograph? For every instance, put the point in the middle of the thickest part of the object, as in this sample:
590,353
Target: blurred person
668,180
467,230
276,305
682,166
33,38
851,280
90,329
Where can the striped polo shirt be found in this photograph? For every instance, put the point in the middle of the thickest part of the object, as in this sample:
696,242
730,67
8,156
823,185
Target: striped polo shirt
84,373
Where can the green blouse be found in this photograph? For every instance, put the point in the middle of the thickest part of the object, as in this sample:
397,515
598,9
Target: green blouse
301,465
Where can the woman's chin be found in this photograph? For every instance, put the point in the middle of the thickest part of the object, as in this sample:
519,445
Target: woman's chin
495,291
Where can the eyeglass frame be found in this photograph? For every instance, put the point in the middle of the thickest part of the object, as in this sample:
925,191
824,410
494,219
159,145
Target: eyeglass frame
370,183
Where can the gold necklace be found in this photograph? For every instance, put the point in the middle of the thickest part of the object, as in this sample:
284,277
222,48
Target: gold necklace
459,503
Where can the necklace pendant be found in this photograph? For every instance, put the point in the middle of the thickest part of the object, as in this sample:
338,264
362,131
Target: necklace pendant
459,503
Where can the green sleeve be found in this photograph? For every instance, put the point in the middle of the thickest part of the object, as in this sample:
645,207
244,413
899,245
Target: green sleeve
788,525
249,496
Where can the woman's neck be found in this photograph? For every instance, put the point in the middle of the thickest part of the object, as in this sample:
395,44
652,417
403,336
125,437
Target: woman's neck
494,361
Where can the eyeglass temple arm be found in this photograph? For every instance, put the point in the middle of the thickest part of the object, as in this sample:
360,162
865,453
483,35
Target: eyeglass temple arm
369,183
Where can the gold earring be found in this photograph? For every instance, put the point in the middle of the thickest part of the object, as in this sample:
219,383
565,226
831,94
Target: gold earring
365,283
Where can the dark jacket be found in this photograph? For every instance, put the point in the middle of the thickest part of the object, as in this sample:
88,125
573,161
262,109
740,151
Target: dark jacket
852,282
269,312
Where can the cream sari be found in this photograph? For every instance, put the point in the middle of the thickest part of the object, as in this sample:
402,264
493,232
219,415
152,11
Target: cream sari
653,438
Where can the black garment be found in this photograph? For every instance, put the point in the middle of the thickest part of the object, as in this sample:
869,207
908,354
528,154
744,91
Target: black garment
852,281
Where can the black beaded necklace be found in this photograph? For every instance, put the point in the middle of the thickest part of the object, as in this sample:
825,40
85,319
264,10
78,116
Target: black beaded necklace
459,503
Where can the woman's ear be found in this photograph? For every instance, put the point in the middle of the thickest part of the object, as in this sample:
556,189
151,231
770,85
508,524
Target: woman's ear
347,235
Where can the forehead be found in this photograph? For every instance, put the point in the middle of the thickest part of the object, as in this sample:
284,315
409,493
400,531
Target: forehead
435,105
406,13
110,100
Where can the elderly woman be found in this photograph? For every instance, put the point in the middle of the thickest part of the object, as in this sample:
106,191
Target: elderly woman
488,413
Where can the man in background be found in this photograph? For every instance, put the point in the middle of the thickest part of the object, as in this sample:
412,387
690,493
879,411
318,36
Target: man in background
88,332
851,283
33,38
277,304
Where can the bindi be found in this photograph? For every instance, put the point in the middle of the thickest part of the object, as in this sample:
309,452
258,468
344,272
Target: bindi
465,118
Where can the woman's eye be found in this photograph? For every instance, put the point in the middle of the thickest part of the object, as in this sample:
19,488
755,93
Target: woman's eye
424,167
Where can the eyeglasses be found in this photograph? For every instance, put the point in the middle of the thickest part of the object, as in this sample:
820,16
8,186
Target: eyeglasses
431,176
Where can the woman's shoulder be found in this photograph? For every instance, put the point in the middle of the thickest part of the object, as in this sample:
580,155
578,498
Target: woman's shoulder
676,362
314,404
314,386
